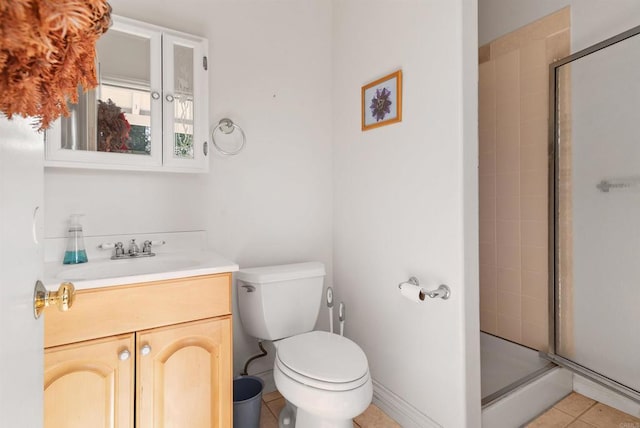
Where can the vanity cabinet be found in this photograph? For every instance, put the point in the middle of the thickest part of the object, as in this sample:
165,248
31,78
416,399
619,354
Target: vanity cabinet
150,109
162,348
187,368
90,384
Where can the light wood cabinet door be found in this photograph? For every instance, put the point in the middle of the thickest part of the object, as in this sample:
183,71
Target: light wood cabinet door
183,376
90,384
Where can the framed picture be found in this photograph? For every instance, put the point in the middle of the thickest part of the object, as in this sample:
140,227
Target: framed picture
382,101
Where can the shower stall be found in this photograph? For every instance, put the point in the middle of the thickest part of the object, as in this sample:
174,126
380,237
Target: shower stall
592,205
514,201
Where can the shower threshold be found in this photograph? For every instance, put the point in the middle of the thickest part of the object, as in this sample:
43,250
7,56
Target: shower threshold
507,366
492,398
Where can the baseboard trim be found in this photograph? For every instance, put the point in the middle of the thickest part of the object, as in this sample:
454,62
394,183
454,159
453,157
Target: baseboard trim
605,395
399,410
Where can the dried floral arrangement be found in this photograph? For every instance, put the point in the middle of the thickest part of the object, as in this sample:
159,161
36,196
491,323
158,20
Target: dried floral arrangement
113,128
47,49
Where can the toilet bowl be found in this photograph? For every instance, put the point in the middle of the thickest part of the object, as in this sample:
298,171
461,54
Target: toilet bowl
324,377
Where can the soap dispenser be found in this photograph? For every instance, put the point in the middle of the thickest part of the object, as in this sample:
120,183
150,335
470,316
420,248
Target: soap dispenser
75,252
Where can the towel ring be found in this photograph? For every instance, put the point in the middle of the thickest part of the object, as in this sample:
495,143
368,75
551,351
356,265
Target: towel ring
226,126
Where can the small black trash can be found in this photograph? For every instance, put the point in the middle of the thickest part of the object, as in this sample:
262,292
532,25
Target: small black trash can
247,401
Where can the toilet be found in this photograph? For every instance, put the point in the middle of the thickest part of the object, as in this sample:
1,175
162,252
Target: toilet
324,377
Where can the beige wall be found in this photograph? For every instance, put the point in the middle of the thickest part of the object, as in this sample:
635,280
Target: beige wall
513,152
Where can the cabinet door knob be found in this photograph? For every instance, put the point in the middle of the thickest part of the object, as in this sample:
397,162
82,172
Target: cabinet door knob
169,98
145,350
124,355
155,95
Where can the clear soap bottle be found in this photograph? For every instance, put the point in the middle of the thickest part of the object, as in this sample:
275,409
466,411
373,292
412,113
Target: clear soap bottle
76,252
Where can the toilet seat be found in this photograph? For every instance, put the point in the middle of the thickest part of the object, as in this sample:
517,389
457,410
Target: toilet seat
323,360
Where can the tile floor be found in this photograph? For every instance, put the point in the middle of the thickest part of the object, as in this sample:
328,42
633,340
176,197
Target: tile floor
373,417
573,411
578,411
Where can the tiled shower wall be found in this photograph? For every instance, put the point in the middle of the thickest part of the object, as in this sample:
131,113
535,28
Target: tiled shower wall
513,131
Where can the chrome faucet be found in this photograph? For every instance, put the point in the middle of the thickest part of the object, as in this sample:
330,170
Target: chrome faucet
133,248
132,252
119,250
146,247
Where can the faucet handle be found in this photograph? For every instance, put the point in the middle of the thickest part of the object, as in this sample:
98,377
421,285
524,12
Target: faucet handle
133,247
119,251
146,245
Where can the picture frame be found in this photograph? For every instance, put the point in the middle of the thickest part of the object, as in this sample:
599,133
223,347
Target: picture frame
382,101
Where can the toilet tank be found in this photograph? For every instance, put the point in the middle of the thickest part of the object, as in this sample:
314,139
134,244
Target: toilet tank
280,301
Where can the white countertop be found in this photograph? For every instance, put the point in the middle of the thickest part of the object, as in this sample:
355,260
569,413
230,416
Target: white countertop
107,272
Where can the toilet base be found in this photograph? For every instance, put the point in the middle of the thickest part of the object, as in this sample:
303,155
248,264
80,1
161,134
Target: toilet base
307,420
315,408
287,416
290,417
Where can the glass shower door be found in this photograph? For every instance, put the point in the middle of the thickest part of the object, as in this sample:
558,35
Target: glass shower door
597,212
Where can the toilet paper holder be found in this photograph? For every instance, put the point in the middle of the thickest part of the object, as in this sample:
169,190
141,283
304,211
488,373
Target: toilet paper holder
443,291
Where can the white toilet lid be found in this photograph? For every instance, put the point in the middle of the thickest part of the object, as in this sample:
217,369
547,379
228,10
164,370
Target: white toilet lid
323,356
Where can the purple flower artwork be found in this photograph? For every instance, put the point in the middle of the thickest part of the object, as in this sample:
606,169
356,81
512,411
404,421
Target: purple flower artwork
382,101
381,104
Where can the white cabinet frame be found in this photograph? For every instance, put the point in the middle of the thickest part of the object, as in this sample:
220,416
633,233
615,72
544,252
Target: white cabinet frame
162,41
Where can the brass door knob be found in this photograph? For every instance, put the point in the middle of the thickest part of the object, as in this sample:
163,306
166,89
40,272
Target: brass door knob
63,298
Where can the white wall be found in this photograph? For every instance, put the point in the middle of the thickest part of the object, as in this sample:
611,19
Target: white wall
123,202
405,199
591,20
133,202
271,73
272,203
289,72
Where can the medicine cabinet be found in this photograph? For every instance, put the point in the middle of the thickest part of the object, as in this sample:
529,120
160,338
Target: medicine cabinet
150,109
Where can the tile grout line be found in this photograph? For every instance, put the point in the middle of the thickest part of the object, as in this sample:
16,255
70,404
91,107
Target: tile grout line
575,418
578,417
588,408
269,409
580,414
275,416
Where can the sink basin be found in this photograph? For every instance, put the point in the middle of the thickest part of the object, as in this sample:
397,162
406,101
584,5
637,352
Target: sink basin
126,267
106,272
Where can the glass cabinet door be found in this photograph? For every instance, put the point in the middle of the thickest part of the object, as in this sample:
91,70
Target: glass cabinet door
120,121
128,103
150,109
185,107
